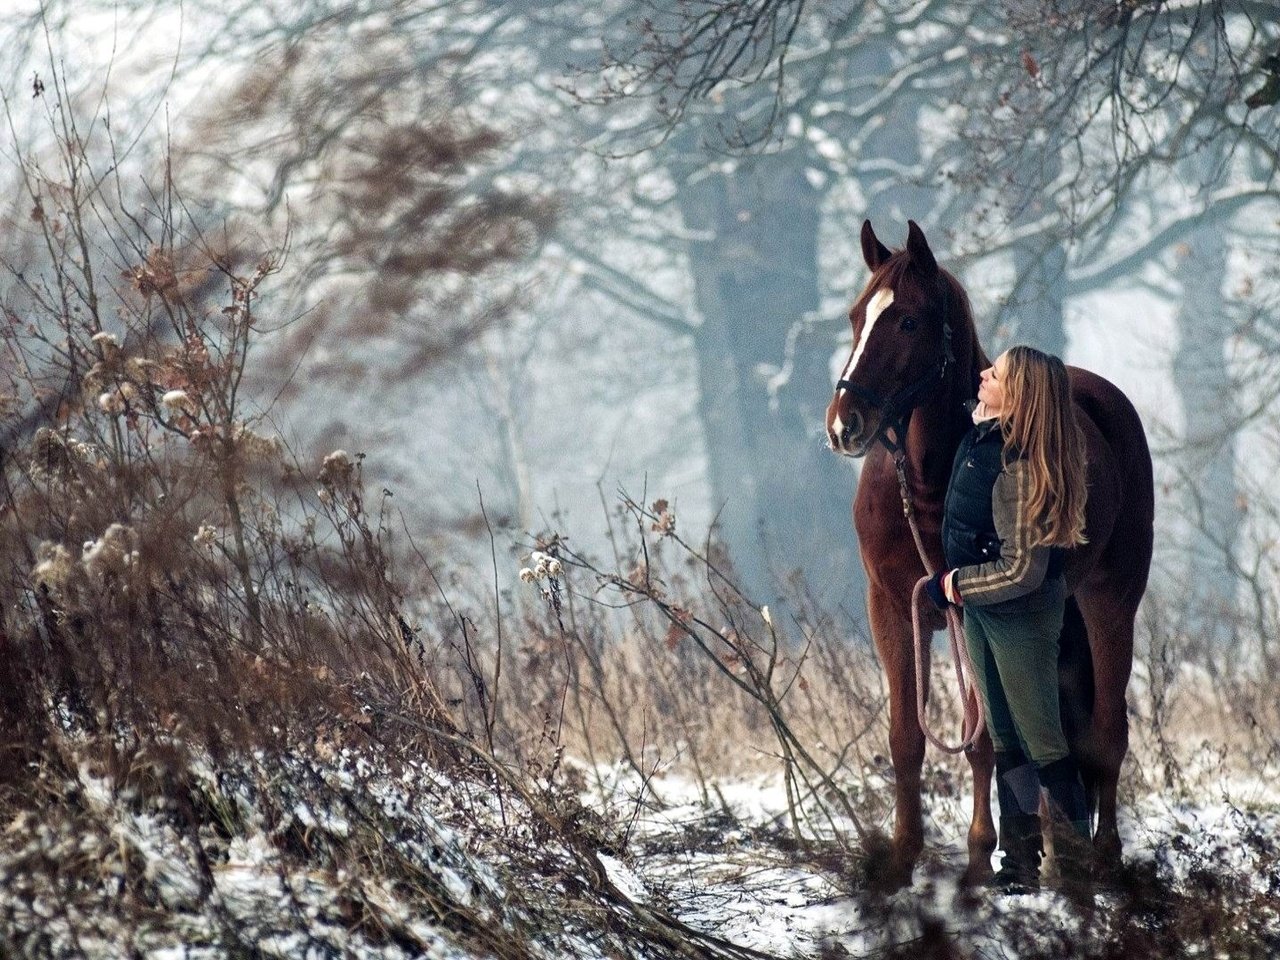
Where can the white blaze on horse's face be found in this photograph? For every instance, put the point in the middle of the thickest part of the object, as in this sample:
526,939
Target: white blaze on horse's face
881,302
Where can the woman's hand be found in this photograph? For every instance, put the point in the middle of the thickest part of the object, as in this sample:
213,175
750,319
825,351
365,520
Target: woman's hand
949,588
942,590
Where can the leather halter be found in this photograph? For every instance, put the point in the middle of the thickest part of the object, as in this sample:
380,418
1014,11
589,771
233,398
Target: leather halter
897,408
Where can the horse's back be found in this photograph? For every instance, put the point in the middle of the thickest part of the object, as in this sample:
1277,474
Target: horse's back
1121,487
1117,420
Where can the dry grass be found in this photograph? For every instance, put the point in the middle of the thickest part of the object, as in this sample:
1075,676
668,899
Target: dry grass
204,635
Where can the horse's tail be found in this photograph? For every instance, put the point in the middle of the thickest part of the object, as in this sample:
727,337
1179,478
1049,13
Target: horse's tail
1075,693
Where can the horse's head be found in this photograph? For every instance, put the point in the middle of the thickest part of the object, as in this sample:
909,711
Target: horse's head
901,343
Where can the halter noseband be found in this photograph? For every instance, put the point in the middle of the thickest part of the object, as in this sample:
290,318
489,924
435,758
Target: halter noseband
897,409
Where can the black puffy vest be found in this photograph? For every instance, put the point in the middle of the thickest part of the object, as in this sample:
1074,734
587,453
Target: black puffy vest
968,526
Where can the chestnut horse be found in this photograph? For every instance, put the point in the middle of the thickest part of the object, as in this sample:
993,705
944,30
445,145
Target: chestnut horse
915,363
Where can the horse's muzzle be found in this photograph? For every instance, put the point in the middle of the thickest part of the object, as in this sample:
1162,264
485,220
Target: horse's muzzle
842,433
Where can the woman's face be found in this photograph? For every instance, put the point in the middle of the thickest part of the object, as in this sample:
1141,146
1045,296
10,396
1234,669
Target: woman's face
991,386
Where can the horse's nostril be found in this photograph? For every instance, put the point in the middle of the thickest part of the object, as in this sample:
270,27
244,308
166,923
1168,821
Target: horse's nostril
855,425
844,435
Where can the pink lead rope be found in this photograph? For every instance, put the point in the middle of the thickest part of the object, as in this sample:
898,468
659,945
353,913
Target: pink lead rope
974,720
973,716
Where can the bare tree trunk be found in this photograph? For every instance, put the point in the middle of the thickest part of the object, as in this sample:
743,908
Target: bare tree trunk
1212,497
1038,304
1035,312
899,190
514,473
764,378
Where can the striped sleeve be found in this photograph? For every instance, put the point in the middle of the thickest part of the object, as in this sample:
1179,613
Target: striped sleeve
1021,567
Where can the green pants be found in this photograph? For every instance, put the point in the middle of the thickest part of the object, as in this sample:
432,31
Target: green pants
1015,657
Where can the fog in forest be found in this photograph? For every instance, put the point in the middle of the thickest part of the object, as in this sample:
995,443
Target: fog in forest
662,309
376,313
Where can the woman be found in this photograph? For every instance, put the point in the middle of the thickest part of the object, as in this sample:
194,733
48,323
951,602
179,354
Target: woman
1015,501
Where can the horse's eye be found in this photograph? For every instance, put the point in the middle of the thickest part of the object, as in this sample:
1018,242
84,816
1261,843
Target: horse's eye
908,324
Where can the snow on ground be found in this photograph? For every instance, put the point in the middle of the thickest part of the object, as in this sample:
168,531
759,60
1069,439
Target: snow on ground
731,869
278,857
349,857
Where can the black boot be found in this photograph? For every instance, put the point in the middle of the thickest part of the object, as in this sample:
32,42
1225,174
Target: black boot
1020,868
1069,821
1018,795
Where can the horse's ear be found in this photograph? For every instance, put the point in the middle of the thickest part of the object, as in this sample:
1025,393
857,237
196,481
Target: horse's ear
918,248
873,251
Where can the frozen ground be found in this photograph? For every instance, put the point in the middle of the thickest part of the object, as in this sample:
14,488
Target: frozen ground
347,856
734,870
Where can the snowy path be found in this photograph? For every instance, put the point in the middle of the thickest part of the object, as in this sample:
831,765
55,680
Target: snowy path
734,873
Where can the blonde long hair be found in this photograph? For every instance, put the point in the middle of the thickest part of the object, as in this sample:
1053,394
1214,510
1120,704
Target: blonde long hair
1040,425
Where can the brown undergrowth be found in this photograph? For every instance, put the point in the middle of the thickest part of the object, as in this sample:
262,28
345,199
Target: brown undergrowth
226,723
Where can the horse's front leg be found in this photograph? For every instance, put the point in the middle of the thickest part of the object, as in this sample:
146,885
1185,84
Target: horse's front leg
982,829
891,630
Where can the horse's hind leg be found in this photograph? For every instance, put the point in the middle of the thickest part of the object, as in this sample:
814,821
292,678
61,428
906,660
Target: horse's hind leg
1075,694
1104,747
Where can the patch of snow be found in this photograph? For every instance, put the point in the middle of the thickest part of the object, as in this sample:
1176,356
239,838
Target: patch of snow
624,878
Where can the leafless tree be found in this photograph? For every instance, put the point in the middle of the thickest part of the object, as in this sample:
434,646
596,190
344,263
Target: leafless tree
1068,128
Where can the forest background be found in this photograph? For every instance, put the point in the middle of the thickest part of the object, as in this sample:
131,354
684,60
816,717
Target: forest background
376,299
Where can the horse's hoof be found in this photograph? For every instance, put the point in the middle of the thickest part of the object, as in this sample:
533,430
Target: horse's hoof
885,869
1107,867
977,874
1108,871
1106,848
888,877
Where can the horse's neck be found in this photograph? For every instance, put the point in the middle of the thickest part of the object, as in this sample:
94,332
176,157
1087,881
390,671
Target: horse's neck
931,447
939,424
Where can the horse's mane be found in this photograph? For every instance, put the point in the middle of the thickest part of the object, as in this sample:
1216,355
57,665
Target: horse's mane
960,306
